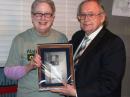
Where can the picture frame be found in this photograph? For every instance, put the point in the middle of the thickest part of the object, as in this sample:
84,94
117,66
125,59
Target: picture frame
57,66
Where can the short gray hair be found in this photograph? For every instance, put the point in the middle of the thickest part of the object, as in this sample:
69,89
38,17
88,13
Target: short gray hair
81,4
50,2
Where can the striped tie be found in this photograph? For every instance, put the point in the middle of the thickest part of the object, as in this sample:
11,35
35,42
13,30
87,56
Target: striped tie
80,49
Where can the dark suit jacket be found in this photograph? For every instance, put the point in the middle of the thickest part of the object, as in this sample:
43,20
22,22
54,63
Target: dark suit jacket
101,67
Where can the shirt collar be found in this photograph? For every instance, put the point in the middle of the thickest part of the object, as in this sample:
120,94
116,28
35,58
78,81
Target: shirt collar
93,35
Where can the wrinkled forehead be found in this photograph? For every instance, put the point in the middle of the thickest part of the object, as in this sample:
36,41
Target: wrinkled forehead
91,7
43,7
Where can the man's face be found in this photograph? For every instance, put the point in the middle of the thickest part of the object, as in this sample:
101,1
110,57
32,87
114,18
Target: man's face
42,18
91,17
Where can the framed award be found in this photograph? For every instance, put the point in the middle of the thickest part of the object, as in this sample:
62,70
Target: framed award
57,66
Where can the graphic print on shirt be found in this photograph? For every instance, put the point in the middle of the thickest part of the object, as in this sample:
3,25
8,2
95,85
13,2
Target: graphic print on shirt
30,54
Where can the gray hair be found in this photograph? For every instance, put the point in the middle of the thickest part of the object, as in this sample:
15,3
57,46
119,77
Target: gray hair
50,2
81,4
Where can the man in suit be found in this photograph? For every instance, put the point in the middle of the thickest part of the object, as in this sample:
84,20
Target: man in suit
100,68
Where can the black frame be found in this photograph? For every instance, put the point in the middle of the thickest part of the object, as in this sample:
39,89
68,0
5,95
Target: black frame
51,55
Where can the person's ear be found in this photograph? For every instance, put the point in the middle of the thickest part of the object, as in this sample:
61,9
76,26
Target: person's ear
103,16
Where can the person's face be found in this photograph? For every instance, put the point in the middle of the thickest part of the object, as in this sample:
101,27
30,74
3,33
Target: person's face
91,17
42,18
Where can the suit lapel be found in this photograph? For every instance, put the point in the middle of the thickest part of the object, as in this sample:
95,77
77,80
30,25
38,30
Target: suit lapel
93,44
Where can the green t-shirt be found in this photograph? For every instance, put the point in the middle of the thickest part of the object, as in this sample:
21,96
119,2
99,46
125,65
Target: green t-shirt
22,49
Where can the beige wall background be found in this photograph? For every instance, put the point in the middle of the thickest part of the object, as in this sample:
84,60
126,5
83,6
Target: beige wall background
120,26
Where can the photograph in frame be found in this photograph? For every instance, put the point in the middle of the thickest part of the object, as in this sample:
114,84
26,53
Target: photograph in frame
57,66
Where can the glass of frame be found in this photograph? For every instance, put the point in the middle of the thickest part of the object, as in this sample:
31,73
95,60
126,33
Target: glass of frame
57,65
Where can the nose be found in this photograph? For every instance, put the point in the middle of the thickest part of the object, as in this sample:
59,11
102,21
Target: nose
43,17
86,18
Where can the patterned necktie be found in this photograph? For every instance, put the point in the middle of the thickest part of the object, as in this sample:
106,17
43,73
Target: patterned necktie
80,49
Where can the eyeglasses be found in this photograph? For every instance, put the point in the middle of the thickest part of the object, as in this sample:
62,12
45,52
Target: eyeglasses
40,15
82,16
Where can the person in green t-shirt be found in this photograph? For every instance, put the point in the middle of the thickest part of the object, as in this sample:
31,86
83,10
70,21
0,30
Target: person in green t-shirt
19,65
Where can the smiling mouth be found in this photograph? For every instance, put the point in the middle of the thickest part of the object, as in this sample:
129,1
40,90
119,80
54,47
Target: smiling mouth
43,23
86,24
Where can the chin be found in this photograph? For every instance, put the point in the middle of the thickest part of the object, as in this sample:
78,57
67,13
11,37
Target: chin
43,30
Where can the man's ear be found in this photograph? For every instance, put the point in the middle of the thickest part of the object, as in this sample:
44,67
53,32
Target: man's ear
103,17
53,18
